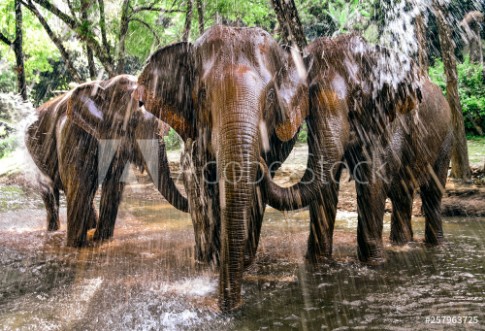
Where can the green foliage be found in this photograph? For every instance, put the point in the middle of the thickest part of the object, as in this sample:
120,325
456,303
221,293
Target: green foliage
471,88
37,47
172,140
7,145
303,134
476,150
333,17
249,13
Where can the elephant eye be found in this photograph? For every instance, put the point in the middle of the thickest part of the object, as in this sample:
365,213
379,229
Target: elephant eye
271,96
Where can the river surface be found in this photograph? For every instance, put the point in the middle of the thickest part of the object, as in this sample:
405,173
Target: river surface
146,277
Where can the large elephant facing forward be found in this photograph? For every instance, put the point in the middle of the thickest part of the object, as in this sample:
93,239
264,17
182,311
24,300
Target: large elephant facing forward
86,137
230,95
362,111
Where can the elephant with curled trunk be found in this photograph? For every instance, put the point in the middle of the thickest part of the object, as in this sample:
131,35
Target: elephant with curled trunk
234,96
87,137
363,111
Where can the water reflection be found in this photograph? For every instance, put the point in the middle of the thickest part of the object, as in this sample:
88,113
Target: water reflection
146,277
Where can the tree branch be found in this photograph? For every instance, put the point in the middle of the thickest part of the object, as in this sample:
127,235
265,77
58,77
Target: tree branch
89,40
146,25
124,22
289,21
200,16
156,9
5,39
71,8
64,54
188,20
102,25
18,49
72,23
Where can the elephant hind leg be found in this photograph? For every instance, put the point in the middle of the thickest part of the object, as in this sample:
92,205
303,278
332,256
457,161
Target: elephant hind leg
431,197
50,195
81,214
402,205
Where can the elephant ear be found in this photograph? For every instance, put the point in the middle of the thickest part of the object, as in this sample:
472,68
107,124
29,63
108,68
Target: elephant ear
165,87
292,95
103,109
83,107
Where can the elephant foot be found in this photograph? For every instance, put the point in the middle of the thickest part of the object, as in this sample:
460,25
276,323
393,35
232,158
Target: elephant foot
230,307
206,259
98,236
400,241
314,258
248,261
434,241
375,261
80,243
371,256
53,227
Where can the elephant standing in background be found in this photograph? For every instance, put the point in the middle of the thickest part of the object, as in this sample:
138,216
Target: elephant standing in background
419,156
362,111
230,96
65,144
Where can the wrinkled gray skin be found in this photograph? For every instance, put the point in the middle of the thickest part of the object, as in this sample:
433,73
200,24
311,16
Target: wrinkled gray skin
219,94
374,128
64,143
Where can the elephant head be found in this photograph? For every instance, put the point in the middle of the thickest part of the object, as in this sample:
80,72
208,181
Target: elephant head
355,92
230,93
106,110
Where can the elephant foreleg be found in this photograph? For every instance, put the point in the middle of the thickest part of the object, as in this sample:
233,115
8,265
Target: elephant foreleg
322,220
111,194
371,200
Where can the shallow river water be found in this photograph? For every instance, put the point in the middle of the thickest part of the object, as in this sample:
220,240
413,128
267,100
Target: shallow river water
146,277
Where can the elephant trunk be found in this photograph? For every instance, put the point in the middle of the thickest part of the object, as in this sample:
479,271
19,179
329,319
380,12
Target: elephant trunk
166,186
237,168
328,133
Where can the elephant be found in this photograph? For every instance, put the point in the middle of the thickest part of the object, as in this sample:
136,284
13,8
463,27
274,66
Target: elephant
86,137
233,96
363,102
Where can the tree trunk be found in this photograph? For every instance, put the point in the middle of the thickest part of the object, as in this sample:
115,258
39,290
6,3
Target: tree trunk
460,167
188,20
89,51
284,31
289,21
200,14
422,45
102,25
125,21
19,54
